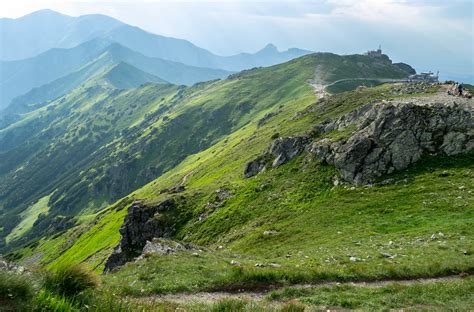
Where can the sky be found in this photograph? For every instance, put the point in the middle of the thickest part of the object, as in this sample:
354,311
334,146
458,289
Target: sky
428,34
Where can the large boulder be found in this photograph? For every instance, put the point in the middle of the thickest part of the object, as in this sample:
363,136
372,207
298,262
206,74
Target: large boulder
142,223
280,151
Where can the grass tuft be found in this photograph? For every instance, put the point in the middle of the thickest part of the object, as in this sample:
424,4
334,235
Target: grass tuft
70,281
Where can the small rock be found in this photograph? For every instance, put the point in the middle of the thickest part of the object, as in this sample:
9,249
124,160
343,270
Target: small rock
270,232
233,262
387,255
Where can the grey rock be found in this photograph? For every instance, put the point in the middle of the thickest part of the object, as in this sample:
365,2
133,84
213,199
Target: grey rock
393,136
255,166
142,223
222,194
265,118
280,151
161,247
388,136
270,232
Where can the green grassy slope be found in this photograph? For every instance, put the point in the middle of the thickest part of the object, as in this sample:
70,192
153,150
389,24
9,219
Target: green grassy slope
295,200
125,76
323,232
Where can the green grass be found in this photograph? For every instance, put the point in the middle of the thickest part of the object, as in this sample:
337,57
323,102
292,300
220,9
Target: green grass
440,296
323,232
320,227
29,217
29,292
96,144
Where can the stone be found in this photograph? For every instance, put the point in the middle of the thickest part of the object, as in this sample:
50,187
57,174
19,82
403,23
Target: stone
142,223
265,118
254,167
222,194
392,136
280,151
270,232
387,255
161,247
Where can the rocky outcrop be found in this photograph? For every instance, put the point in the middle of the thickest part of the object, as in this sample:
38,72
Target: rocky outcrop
387,136
142,223
393,136
279,152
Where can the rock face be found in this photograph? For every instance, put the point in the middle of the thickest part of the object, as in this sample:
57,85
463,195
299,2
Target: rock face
141,224
388,136
393,136
279,152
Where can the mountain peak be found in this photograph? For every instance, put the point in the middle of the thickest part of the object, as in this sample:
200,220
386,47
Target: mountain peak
44,13
269,48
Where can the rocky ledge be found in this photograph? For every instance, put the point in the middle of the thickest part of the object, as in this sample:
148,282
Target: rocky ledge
383,137
142,224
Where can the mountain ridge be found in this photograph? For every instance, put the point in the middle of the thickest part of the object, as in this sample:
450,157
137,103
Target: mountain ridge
147,43
94,120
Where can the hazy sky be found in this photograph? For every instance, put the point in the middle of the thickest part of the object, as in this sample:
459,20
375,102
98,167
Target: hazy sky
429,34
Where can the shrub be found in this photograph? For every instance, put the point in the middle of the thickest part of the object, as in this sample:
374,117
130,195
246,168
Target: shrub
70,280
16,291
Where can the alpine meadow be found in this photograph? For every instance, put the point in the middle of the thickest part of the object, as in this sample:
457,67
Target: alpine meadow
142,172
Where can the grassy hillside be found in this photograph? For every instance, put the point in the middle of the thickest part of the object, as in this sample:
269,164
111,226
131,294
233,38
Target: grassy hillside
91,147
322,231
284,226
48,78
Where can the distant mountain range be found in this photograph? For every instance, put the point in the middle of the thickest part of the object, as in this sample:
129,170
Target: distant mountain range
46,54
57,71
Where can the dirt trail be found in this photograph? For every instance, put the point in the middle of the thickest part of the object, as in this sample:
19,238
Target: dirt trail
209,297
439,97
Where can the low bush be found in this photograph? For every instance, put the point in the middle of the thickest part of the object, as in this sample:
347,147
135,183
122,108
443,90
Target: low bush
16,291
70,280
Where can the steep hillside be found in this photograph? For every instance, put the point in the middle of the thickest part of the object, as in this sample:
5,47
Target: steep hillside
297,223
19,77
104,69
119,140
125,76
56,72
